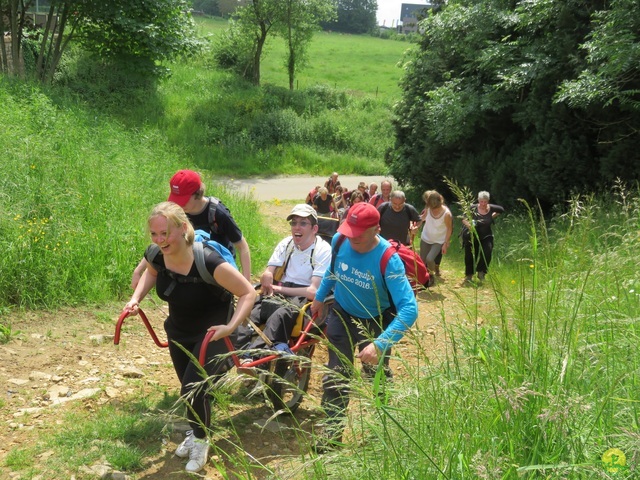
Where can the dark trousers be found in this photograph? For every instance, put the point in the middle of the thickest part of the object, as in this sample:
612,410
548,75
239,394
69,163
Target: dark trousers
345,333
477,255
195,393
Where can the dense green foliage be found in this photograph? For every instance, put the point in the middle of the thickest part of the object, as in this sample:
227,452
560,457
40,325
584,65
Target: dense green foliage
528,100
135,35
354,16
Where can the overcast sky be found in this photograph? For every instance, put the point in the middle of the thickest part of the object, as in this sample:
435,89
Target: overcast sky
389,10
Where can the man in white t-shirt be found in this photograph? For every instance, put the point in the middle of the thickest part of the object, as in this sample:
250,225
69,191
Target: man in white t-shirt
303,256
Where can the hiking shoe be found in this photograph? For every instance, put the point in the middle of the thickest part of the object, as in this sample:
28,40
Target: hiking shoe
185,447
198,455
468,278
369,371
481,275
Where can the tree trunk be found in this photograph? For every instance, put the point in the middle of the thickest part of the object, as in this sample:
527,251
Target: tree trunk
260,41
16,8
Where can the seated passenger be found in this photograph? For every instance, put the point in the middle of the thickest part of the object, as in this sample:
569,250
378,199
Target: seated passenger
303,258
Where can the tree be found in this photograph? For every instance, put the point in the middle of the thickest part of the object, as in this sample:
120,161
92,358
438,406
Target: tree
301,19
294,20
354,16
136,32
483,101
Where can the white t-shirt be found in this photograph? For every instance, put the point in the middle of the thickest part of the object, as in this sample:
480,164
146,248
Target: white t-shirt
435,229
303,264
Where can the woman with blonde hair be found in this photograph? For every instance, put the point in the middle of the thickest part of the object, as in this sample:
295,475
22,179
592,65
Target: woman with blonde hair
195,307
437,230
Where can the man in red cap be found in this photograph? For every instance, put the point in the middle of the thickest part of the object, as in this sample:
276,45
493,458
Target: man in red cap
368,305
208,214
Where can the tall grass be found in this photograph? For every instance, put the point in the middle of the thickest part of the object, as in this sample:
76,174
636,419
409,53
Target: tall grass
76,190
545,384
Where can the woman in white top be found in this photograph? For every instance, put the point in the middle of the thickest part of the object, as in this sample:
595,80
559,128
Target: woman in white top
438,227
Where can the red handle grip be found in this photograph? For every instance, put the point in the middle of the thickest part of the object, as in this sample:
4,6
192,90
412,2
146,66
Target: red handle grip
123,315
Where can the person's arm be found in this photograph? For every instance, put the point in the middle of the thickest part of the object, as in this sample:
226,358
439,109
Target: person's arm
448,221
326,285
309,291
266,280
496,210
137,273
244,253
146,283
232,280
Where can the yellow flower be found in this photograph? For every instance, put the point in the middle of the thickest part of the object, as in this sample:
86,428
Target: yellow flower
531,266
513,282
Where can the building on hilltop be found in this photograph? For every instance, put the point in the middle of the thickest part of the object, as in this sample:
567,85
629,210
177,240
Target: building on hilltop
411,14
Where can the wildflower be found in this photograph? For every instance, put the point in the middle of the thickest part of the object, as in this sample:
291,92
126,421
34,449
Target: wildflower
532,266
513,282
631,291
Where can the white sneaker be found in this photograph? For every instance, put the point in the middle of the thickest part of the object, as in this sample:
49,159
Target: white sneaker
198,455
185,447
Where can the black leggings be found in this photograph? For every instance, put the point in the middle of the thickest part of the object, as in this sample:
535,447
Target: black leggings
477,255
195,393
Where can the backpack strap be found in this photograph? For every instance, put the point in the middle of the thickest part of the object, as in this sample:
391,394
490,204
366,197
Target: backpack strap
289,252
198,255
213,207
334,251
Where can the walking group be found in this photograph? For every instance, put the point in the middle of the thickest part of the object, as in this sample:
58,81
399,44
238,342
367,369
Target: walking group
372,308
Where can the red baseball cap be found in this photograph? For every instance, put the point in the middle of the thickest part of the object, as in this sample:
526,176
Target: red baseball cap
184,184
360,217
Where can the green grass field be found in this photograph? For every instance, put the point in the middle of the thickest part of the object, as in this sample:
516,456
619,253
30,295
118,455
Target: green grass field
359,64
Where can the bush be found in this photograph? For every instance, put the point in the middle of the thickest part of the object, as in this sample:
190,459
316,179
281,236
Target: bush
278,127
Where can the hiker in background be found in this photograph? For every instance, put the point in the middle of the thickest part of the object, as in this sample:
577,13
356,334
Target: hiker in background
340,201
208,214
195,307
332,183
299,262
362,188
399,220
437,229
312,194
356,197
384,195
373,188
324,203
477,236
369,313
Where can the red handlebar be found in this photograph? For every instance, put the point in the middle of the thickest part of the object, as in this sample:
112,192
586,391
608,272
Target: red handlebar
123,315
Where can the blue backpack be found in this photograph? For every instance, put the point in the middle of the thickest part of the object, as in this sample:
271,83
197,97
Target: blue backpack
205,238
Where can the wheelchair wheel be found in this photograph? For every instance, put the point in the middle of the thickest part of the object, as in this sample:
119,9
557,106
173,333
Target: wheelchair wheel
290,380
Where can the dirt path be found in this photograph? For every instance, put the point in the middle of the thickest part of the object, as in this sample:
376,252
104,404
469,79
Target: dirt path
65,360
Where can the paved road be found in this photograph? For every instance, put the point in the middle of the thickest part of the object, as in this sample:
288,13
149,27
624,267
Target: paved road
293,188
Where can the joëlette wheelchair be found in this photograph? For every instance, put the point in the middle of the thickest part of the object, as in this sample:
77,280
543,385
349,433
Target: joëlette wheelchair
286,376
